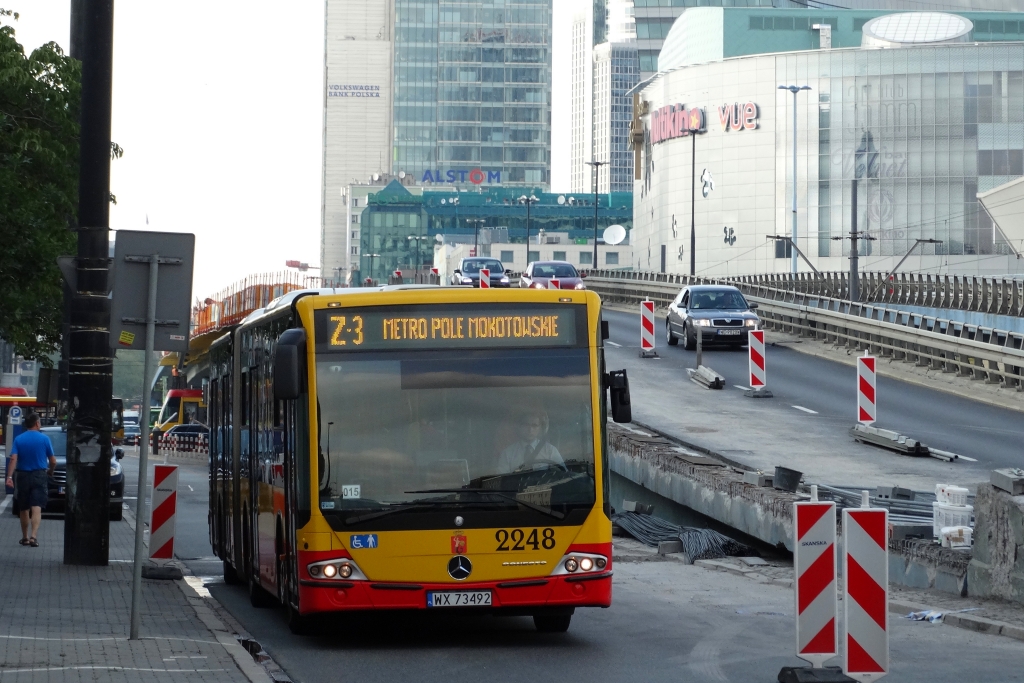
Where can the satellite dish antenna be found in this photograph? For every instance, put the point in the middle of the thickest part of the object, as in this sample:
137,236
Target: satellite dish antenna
614,234
561,199
401,175
442,201
376,177
439,237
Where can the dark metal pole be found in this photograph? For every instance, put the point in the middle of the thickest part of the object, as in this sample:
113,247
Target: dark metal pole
597,182
90,366
854,264
693,204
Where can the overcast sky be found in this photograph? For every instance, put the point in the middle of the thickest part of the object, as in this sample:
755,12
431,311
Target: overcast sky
218,107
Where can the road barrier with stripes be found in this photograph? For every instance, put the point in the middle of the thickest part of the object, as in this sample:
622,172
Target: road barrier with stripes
485,278
164,504
646,327
982,353
867,383
185,446
554,283
755,344
866,590
814,561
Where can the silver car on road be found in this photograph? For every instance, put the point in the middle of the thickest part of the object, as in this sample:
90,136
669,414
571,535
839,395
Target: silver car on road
719,312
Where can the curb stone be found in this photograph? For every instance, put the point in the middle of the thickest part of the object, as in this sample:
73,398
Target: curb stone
213,615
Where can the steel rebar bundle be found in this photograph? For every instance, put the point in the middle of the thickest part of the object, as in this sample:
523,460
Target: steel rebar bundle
698,544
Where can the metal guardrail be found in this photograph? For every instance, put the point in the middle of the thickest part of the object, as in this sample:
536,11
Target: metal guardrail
983,353
1001,296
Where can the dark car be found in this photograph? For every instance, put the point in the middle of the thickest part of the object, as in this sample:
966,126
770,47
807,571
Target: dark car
132,434
56,494
539,274
468,272
186,438
719,312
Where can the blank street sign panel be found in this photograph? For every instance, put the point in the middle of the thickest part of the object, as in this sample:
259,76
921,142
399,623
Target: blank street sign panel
132,252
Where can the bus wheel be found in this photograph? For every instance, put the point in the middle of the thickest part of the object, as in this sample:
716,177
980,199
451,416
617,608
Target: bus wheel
258,597
230,575
298,624
552,623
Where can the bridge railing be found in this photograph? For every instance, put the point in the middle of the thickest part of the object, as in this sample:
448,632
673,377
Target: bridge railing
996,295
983,353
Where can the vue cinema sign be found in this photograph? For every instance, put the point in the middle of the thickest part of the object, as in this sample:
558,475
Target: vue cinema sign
676,121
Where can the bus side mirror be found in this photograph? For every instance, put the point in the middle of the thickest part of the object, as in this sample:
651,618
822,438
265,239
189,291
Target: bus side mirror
618,382
289,364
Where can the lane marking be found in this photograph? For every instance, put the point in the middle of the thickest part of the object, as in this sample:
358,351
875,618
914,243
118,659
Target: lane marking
741,387
806,410
7,501
190,487
967,458
609,341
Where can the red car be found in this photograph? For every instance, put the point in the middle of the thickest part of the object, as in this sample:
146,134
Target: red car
539,273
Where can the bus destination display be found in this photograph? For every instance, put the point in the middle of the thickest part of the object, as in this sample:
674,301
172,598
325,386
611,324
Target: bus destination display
440,327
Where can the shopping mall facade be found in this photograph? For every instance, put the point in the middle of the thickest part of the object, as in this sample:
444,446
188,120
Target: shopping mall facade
924,115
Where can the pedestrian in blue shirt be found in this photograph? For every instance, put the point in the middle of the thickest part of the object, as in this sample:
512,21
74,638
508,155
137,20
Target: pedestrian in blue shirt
33,460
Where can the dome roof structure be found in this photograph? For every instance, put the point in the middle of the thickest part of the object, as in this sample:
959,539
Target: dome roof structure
916,28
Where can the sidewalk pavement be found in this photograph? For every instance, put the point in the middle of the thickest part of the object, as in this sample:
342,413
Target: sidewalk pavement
69,623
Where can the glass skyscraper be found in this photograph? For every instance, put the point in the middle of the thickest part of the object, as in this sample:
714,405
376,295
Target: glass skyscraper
472,89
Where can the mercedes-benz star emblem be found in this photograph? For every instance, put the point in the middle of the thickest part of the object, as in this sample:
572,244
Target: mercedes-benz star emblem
459,520
459,567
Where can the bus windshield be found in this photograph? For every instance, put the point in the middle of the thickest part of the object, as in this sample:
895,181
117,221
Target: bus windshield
416,431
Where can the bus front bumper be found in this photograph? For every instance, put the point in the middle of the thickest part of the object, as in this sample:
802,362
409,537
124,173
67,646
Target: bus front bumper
519,596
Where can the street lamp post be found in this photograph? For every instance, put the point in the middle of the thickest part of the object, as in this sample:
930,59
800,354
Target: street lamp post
597,175
528,201
794,89
477,222
371,257
416,239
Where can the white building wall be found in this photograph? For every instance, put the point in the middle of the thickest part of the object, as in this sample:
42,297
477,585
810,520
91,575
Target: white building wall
357,113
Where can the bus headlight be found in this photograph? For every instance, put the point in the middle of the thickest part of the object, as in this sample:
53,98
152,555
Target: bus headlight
336,569
580,563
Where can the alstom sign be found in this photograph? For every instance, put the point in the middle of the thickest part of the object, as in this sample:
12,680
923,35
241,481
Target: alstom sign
461,175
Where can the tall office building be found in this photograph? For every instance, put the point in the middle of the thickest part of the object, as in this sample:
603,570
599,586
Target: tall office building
616,71
358,54
604,67
454,93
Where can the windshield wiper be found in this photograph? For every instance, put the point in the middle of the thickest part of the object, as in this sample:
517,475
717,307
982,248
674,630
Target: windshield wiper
501,493
383,513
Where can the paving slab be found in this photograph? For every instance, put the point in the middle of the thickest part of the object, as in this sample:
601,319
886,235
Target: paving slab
69,623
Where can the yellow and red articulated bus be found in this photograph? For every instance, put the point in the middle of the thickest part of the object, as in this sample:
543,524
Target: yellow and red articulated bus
415,448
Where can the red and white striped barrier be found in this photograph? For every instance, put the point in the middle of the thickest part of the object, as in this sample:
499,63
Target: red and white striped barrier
165,500
646,327
554,283
866,587
866,394
755,343
814,559
434,271
485,278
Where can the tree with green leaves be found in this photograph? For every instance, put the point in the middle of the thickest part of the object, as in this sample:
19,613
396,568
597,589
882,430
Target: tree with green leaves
39,112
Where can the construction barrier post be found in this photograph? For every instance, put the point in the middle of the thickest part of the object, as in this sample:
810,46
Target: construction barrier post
866,590
165,500
758,376
647,330
554,283
867,399
485,278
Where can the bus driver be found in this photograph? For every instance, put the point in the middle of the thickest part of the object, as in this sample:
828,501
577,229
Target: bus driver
532,446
